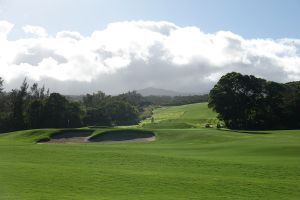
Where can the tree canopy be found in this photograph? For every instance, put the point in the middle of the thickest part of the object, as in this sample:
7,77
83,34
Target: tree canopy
247,102
32,107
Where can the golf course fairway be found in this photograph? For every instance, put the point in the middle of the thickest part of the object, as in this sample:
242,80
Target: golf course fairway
184,162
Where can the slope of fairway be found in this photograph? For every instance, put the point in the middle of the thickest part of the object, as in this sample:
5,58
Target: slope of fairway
181,164
186,116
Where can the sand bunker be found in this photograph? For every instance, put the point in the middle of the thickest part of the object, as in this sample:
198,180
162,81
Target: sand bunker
123,136
71,137
84,136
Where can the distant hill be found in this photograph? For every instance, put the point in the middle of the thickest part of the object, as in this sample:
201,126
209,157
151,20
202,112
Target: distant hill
160,92
150,91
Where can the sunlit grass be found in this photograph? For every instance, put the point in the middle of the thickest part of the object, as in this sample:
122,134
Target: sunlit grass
194,163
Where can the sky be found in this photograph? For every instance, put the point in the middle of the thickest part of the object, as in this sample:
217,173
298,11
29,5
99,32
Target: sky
75,47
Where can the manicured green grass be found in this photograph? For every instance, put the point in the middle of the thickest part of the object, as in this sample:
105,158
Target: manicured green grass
195,163
186,116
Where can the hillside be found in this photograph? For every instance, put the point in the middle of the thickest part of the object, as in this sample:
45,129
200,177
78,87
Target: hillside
186,116
159,92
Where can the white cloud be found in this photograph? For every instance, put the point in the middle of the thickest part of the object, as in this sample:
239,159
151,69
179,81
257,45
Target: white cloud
5,28
35,30
138,54
69,34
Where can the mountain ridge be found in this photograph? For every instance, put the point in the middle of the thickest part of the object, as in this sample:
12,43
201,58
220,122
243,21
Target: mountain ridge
151,91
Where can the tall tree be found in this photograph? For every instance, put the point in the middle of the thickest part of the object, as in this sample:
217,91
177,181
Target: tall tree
55,110
239,100
3,107
18,98
35,106
1,85
59,113
292,104
73,114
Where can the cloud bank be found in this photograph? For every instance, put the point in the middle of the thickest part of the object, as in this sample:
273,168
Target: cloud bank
139,54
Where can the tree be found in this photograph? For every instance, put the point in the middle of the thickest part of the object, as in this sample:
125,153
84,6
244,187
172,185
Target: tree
239,100
292,104
96,117
73,114
1,85
34,107
94,100
55,111
21,109
59,113
134,99
4,112
274,105
35,113
34,91
2,107
18,101
121,112
247,102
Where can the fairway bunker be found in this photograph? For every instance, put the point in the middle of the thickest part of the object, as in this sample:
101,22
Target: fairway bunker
85,136
68,137
123,136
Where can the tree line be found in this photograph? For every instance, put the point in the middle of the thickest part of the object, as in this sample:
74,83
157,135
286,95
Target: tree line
176,100
248,102
33,107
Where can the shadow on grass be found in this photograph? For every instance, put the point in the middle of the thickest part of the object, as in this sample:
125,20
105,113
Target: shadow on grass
246,131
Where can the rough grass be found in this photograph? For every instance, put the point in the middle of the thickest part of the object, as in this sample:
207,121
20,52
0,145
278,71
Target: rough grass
195,163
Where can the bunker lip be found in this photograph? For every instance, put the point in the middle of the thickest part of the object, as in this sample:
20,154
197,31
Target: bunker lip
85,136
118,136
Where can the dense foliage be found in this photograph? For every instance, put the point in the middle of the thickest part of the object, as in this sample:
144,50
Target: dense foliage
31,108
104,110
247,102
